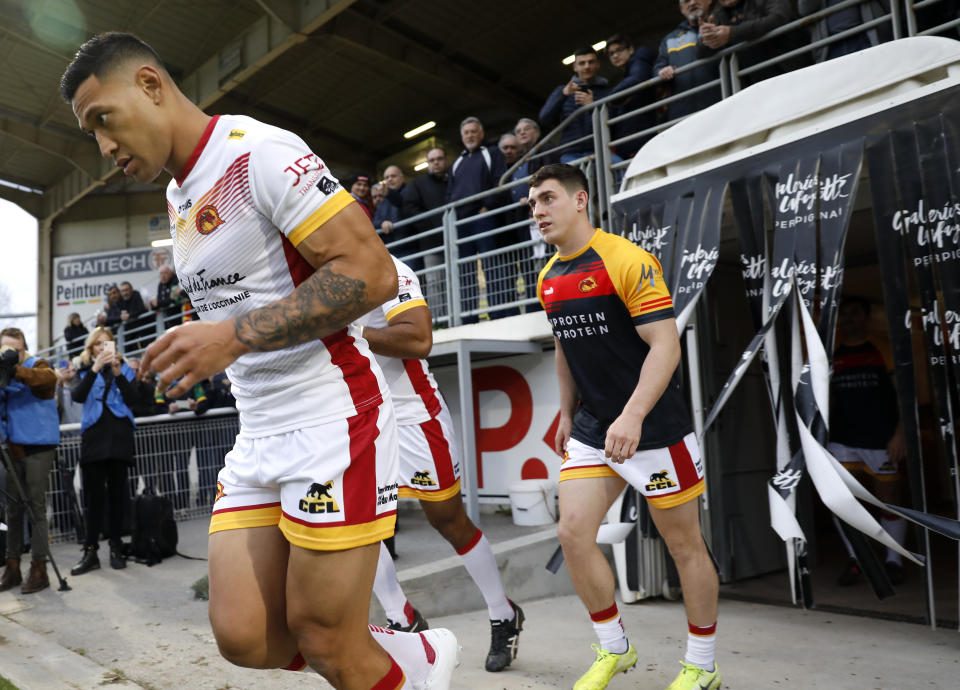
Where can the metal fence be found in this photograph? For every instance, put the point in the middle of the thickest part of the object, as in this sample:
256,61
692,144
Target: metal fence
178,456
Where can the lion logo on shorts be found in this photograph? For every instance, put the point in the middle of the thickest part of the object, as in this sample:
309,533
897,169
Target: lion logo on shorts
422,479
659,481
319,499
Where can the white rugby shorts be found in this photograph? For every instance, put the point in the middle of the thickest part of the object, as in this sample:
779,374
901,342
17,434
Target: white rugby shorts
429,459
873,461
329,487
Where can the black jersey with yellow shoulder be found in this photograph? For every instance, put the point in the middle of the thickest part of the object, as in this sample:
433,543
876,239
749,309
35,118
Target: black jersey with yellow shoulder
594,300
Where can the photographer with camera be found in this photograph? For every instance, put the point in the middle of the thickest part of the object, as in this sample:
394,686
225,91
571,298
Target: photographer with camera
105,386
32,429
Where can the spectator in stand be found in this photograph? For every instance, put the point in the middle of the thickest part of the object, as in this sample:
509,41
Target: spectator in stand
477,169
677,50
132,309
359,185
70,412
510,148
533,258
733,21
146,403
583,89
74,335
169,297
104,384
425,193
637,65
215,442
841,21
377,193
111,309
388,210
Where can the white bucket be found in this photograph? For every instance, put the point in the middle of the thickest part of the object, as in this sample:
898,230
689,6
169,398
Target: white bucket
533,502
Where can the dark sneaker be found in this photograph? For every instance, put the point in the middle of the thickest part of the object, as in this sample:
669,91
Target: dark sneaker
850,575
117,560
504,639
894,572
419,624
89,561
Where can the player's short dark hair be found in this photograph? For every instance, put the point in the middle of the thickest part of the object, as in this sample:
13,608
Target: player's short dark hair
101,54
13,332
620,40
570,176
856,300
586,50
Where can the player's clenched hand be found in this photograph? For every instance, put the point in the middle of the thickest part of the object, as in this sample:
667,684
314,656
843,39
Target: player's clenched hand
563,435
191,353
622,437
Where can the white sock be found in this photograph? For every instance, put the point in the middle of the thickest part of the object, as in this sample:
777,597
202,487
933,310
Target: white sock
411,651
896,527
386,586
701,645
609,629
479,561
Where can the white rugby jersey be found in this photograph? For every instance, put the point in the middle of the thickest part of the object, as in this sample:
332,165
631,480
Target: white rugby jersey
414,391
248,195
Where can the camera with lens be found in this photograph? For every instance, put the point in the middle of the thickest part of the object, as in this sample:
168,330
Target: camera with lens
9,359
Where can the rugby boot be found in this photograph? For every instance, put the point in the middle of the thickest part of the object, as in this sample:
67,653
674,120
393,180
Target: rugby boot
504,640
605,667
695,678
11,575
446,657
37,579
419,624
89,561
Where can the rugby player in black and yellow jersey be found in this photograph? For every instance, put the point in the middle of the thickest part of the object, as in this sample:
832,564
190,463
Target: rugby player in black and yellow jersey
622,420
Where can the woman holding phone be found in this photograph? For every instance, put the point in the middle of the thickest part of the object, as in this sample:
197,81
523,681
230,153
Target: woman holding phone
104,384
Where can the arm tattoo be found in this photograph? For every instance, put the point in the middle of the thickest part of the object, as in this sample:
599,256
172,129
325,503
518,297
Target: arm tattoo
324,303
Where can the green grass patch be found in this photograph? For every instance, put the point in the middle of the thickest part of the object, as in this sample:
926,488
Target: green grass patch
7,685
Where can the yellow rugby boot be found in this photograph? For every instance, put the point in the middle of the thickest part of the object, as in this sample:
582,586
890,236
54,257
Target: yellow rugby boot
695,678
606,667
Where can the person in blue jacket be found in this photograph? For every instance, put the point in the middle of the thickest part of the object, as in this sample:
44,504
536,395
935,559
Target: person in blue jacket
583,89
29,423
636,62
105,385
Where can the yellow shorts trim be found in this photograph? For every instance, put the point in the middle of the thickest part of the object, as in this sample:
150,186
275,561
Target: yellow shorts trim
677,499
330,207
441,495
403,306
321,538
244,518
586,473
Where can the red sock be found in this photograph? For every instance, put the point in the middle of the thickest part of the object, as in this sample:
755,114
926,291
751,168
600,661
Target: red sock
394,679
298,663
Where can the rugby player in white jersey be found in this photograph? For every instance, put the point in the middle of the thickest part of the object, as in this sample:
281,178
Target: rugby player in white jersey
400,333
278,261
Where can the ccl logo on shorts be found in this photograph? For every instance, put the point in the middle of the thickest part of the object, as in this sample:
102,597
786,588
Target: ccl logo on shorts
422,479
319,499
660,481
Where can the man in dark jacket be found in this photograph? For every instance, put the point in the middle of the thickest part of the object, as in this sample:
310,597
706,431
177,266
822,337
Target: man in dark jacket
31,425
583,89
423,194
637,65
734,21
131,313
388,210
678,49
476,170
167,301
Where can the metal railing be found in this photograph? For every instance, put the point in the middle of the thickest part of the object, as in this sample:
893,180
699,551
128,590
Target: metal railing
178,456
500,280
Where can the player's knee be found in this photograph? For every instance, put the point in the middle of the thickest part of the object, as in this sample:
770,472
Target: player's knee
245,647
573,533
686,548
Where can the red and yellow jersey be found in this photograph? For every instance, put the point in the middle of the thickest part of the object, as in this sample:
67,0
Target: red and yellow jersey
594,300
416,398
249,194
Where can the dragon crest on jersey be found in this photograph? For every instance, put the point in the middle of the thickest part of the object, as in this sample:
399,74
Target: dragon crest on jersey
208,219
319,499
660,480
587,284
422,479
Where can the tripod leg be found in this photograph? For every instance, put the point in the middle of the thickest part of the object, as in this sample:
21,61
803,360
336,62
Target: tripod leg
28,507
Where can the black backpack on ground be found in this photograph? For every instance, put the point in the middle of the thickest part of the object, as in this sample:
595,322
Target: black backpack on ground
154,529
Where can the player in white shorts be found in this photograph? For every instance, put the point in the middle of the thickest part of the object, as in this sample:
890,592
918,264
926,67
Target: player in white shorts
278,261
400,334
